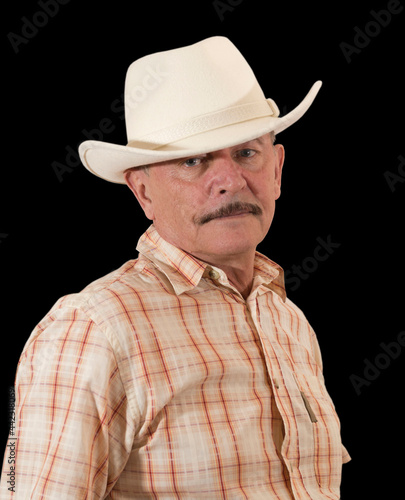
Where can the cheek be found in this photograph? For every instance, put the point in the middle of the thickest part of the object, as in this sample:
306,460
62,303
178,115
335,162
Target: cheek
267,194
175,204
266,189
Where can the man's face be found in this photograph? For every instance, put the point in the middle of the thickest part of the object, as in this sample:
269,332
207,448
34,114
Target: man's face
214,205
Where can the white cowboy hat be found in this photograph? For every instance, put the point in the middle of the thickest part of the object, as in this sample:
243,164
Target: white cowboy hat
188,101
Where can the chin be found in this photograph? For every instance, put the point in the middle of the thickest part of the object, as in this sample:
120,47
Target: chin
230,242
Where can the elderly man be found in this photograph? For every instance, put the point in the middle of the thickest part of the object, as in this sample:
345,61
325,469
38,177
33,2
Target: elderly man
187,373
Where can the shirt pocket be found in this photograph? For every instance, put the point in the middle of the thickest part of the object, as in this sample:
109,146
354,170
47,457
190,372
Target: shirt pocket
313,387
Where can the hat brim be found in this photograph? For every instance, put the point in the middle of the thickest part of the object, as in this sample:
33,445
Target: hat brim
110,161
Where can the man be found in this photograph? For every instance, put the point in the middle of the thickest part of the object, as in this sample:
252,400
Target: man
186,373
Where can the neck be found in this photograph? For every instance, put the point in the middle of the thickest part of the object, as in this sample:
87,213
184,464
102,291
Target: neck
241,282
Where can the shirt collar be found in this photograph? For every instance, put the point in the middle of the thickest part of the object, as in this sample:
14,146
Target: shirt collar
185,271
270,274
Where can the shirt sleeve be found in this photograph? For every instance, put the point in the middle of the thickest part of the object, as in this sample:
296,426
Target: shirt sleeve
318,358
74,430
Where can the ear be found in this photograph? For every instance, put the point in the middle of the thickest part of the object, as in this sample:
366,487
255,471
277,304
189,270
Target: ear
138,182
278,168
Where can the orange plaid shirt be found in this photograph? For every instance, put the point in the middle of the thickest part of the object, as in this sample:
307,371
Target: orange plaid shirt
160,381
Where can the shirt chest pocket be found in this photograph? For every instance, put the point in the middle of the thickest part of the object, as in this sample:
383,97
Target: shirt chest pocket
314,391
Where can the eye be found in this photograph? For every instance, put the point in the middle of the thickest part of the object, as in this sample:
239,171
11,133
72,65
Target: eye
193,162
246,153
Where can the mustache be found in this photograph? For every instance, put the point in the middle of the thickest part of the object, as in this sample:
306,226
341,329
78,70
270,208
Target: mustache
230,209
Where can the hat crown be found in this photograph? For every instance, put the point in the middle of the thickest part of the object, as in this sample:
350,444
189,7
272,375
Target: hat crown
166,89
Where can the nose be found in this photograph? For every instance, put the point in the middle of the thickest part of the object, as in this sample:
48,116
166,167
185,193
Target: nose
226,175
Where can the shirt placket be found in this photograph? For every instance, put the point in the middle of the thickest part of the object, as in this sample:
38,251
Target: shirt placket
296,413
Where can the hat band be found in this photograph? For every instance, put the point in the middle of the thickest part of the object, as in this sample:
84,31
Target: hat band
211,121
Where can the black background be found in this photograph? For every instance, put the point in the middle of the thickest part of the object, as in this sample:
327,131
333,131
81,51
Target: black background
57,235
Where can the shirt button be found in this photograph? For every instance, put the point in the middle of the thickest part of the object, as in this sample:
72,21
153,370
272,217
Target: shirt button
214,274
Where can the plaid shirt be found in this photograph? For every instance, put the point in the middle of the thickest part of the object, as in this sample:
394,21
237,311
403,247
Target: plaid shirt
160,381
